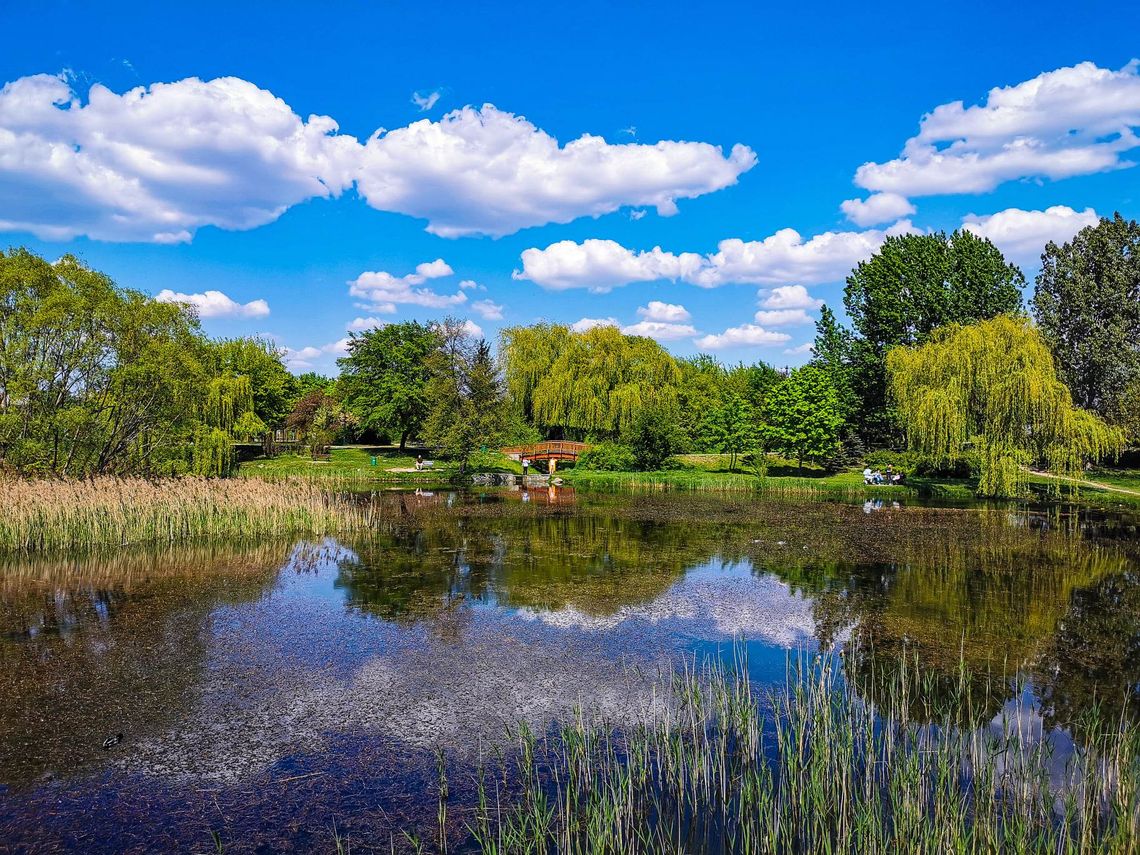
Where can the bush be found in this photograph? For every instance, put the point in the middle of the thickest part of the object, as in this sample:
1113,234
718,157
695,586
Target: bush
607,457
966,466
654,436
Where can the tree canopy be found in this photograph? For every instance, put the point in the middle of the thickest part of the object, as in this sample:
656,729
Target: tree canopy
384,378
992,387
802,418
590,383
912,286
1087,305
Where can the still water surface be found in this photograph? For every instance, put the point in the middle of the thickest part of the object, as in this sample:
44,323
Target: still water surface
267,691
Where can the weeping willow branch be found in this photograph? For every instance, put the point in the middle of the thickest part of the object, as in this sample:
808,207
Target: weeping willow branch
993,386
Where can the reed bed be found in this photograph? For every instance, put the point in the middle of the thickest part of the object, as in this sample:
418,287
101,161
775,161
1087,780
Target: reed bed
684,481
44,515
812,769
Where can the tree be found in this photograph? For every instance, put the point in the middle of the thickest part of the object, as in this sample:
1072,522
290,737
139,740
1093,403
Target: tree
589,383
1087,305
802,418
273,388
698,392
653,435
384,377
93,378
464,394
731,427
992,386
320,418
832,352
912,286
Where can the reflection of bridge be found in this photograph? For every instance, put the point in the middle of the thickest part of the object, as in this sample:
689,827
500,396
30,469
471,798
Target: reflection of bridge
551,450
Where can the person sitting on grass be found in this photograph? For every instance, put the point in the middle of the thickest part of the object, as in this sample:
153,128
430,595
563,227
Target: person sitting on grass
867,475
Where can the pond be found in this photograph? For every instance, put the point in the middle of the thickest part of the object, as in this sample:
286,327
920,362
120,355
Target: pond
269,696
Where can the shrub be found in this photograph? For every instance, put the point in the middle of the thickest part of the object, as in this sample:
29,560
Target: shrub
607,457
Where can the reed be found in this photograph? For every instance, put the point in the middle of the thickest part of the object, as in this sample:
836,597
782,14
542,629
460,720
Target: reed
44,515
812,768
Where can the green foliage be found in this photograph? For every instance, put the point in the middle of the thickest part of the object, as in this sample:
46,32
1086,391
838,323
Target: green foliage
320,419
94,378
273,388
1087,305
731,427
992,386
588,383
912,286
832,351
802,416
465,394
213,452
654,435
607,457
384,378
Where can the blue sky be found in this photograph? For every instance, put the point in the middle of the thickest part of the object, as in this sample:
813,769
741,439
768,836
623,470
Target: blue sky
226,185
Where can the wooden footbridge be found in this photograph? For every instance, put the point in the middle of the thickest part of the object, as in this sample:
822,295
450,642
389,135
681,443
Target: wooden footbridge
550,451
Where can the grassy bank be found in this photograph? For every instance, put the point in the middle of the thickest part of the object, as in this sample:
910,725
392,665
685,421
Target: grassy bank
41,515
365,464
813,770
711,473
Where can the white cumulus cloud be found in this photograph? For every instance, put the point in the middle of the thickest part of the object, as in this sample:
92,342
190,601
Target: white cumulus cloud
800,349
487,171
583,324
1071,121
1022,235
307,358
472,329
660,330
666,312
426,100
746,335
784,257
877,208
383,292
361,324
156,163
488,310
215,304
790,297
783,317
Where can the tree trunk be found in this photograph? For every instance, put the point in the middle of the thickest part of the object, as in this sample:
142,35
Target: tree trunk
404,440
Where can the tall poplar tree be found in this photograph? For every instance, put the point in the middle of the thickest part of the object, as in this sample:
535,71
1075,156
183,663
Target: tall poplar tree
1087,305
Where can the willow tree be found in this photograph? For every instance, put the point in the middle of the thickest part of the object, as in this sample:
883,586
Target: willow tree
226,414
992,386
585,383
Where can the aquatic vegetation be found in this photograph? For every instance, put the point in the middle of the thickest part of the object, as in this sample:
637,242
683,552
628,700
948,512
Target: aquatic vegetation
813,767
42,515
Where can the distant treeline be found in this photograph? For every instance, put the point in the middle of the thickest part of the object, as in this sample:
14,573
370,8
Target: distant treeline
99,379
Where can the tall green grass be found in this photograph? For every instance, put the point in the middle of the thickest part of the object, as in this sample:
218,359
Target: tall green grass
811,769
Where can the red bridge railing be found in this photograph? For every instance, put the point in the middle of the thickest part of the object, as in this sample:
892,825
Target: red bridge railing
555,449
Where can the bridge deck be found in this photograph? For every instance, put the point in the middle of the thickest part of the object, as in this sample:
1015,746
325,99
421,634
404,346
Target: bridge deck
555,449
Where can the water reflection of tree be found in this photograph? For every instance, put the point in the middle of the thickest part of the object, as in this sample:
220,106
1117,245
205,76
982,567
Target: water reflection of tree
588,562
108,644
1095,653
977,609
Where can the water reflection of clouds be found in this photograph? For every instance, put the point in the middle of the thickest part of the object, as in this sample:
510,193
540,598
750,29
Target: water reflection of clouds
715,599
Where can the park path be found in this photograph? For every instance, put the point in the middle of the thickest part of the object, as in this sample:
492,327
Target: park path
1100,485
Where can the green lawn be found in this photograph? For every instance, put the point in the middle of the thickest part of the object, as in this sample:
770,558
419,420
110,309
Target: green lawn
354,462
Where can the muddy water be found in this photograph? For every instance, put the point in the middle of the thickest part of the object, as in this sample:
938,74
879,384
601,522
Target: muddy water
267,694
